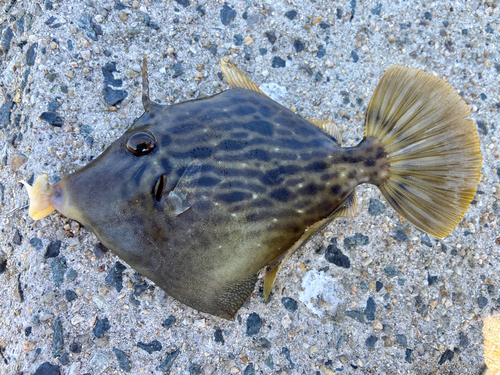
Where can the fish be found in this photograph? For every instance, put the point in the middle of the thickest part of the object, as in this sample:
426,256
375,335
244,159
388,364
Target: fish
201,196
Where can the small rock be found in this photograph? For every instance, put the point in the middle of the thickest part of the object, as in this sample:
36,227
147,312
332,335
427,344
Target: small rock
122,360
482,302
101,327
376,11
401,340
194,369
85,23
376,207
291,14
5,112
278,62
371,341
447,356
335,256
153,346
357,240
184,3
58,267
248,40
354,56
227,14
290,304
70,295
47,368
99,362
52,249
31,54
114,97
36,243
169,322
400,234
321,52
356,315
264,343
218,335
378,326
390,271
7,38
57,343
424,238
238,40
64,359
75,348
370,309
249,370
71,275
271,36
115,277
269,362
298,45
47,297
408,355
52,118
286,353
463,340
17,161
254,323
53,105
177,69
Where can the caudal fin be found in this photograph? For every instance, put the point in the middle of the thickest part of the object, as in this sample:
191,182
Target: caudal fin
432,148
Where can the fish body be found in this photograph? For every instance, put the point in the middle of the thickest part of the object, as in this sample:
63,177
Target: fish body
199,196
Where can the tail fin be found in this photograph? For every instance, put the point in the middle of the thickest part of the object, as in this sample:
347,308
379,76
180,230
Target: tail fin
432,150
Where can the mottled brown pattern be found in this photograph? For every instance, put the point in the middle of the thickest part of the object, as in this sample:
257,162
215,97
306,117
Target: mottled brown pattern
266,176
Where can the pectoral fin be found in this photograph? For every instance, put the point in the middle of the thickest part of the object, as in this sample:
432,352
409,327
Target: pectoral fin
347,210
183,196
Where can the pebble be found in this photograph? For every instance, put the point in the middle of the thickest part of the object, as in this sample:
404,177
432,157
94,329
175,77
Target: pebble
354,56
168,362
52,250
286,353
85,23
115,278
3,262
357,240
238,40
153,346
335,256
401,340
378,325
122,359
370,309
70,295
169,322
53,105
376,207
269,362
249,370
278,62
194,369
17,161
177,69
75,348
31,54
52,118
290,304
408,355
482,302
248,40
321,52
101,327
57,343
64,359
291,14
71,275
424,238
271,36
218,337
5,112
47,368
448,355
227,14
112,96
298,45
356,315
7,38
371,341
99,362
254,323
400,234
58,267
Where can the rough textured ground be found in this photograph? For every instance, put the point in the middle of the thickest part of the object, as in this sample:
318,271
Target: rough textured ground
405,304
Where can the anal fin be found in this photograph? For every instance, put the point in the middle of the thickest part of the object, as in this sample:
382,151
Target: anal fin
329,127
183,196
347,210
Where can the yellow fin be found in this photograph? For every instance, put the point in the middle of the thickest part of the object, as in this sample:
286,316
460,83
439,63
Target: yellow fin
236,78
491,350
39,195
432,150
347,210
329,127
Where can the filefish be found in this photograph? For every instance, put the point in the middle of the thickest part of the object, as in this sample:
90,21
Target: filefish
200,196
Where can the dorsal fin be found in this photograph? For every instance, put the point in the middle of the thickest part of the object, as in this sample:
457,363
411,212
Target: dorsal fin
147,103
347,210
329,127
236,78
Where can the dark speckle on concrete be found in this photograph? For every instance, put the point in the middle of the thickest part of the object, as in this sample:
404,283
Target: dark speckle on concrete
168,362
376,207
278,62
447,356
370,309
356,315
218,337
122,359
400,234
101,327
57,343
47,368
286,353
291,14
271,36
335,256
290,304
298,45
195,369
249,370
58,267
227,14
52,118
354,56
114,277
169,322
482,302
153,346
357,240
408,355
424,238
400,339
371,341
31,54
254,322
53,249
70,295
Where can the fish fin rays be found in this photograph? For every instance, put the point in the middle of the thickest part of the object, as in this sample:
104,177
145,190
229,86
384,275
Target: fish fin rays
147,103
182,197
347,210
229,299
432,149
328,127
237,79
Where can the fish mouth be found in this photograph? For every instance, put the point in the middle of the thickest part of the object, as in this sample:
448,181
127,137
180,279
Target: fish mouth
159,188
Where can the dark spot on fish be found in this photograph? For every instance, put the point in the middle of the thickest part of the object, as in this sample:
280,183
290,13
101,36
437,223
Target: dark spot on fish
265,111
352,174
208,181
350,160
230,145
284,132
204,205
380,153
179,172
336,189
289,169
258,216
282,195
258,154
294,181
244,110
370,162
303,204
243,185
261,203
165,140
272,177
311,189
369,149
291,143
201,152
233,197
237,100
239,135
334,175
317,166
185,128
261,127
283,156
325,177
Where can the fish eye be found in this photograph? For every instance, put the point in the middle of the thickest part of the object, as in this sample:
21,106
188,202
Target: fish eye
141,143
